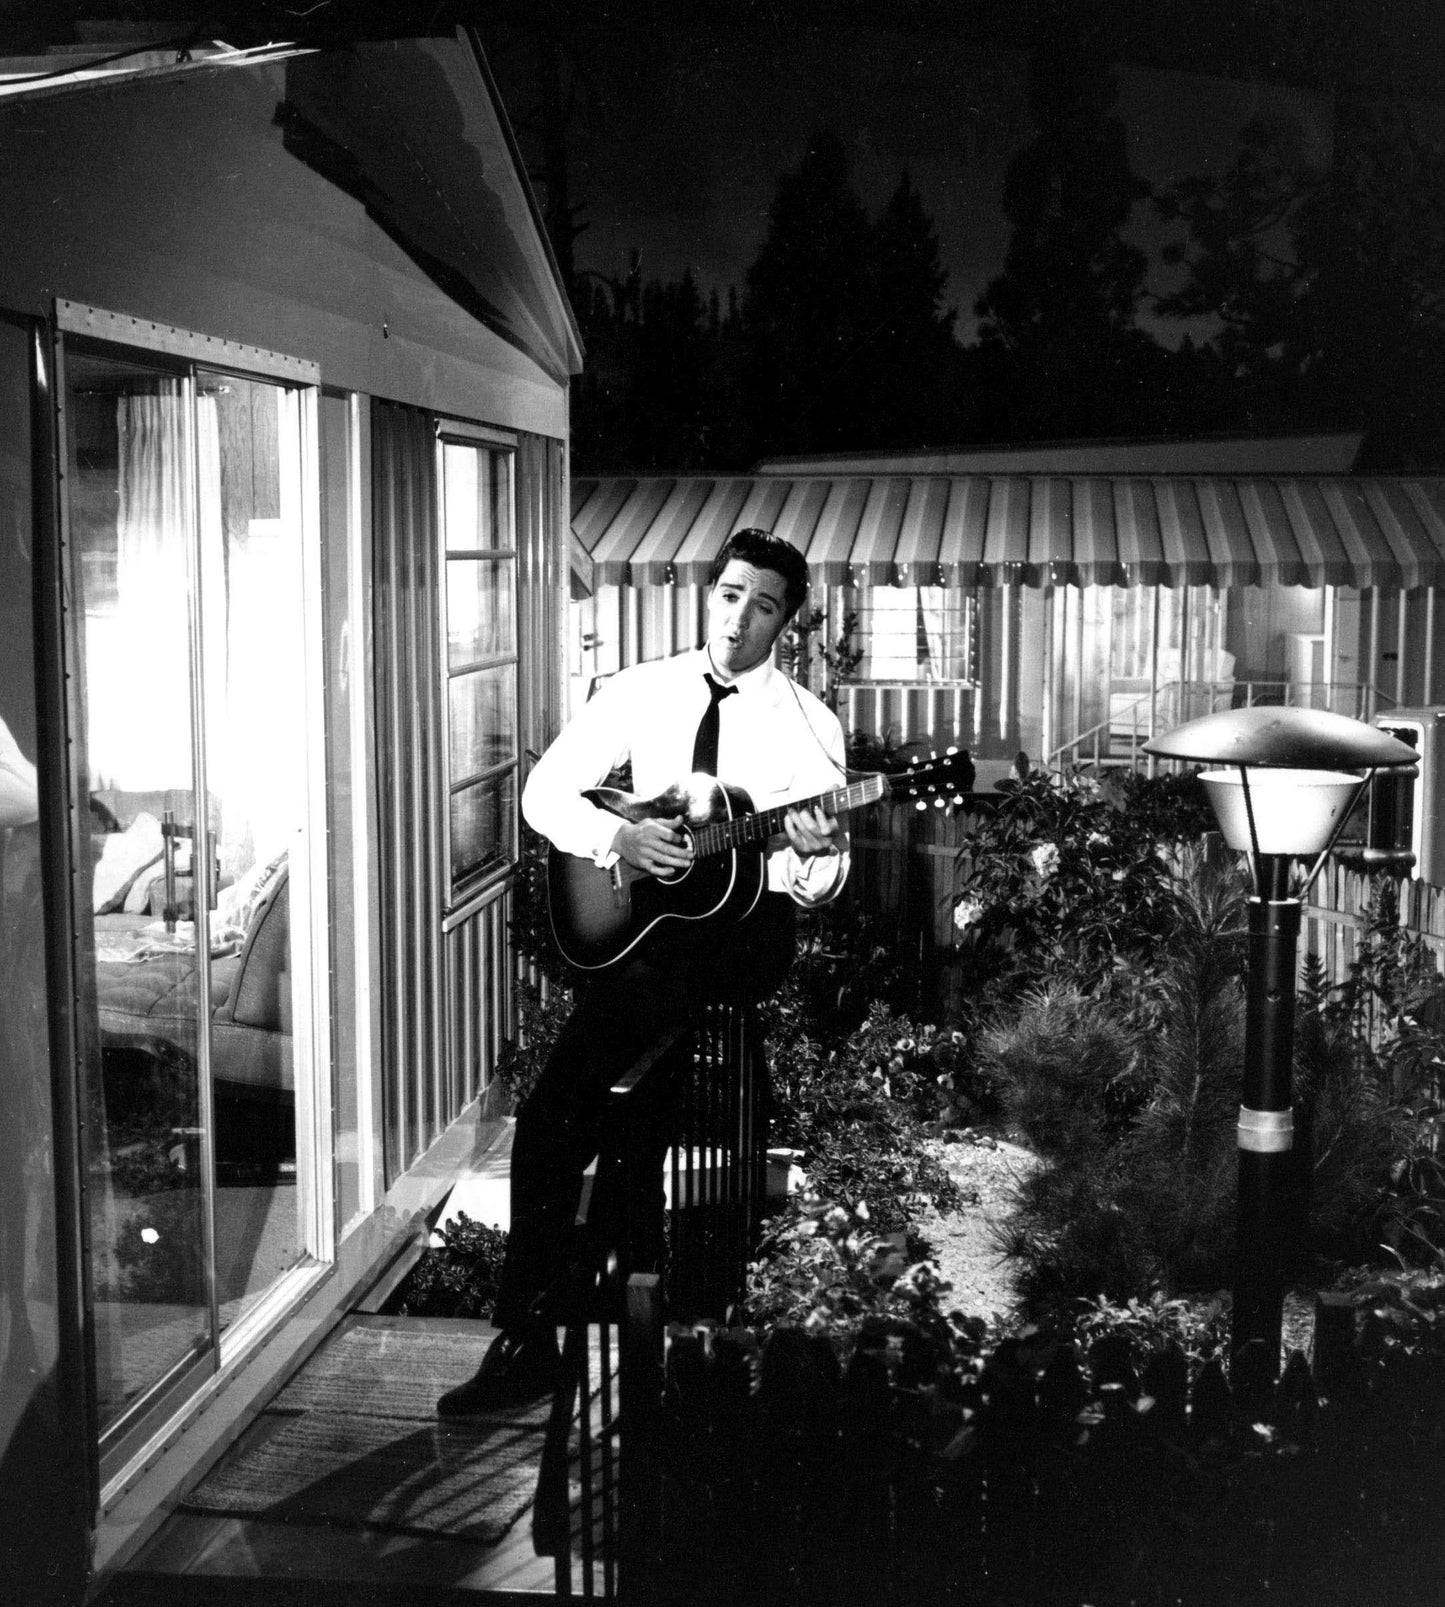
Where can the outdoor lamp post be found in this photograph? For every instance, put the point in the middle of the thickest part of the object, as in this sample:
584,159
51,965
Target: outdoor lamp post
1282,782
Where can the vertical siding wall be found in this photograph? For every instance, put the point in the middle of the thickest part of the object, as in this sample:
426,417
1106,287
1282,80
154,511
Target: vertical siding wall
409,779
446,979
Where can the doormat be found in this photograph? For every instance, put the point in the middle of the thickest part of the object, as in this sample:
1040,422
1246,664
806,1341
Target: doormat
463,1479
375,1371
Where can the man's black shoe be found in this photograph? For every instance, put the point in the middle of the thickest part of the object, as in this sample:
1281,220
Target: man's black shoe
518,1367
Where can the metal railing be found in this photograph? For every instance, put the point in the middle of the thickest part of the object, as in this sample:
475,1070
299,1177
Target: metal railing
671,1243
1119,739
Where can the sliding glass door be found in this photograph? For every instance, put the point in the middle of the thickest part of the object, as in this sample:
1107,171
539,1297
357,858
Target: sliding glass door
186,537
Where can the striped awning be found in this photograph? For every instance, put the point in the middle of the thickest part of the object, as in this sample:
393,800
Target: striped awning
1031,530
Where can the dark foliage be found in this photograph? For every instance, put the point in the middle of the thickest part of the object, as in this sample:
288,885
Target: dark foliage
1070,877
545,990
458,1278
1323,280
863,1142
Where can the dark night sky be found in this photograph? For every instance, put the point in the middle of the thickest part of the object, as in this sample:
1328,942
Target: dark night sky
686,127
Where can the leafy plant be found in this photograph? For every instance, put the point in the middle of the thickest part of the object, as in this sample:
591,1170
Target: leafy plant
544,990
826,1270
862,1141
458,1278
1138,1126
840,658
1154,1324
1070,875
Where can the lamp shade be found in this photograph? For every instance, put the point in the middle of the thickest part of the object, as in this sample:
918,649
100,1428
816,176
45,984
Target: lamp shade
1307,739
1295,811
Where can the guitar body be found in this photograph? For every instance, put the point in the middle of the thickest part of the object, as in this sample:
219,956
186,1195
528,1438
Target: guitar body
599,916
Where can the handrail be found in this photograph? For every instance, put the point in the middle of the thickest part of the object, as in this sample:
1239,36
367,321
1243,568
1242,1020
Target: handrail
714,1081
1367,700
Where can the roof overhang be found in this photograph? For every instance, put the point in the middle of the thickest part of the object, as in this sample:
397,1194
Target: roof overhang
1032,530
400,114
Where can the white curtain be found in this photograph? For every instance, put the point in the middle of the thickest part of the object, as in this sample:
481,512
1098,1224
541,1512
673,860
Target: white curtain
257,752
138,654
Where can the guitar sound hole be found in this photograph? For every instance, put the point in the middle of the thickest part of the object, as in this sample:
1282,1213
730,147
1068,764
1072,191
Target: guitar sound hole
672,878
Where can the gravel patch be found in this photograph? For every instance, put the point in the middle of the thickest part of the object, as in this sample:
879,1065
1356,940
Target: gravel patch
987,1171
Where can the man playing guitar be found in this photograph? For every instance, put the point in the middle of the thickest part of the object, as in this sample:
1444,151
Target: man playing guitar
722,710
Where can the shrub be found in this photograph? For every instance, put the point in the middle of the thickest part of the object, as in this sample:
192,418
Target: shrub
825,1270
545,992
1155,1325
1138,1125
862,1141
458,1278
1051,1065
1068,876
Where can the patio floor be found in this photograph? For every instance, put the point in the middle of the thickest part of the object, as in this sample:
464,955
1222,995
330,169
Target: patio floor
348,1488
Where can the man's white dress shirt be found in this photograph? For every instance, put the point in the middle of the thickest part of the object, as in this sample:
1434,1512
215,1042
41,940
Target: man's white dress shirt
775,740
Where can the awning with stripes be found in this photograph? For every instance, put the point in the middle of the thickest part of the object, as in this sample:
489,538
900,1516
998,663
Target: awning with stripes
1032,530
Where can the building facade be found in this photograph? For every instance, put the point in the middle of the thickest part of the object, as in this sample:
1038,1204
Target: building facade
284,369
1062,601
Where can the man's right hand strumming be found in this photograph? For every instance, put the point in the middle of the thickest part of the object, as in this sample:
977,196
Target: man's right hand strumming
655,846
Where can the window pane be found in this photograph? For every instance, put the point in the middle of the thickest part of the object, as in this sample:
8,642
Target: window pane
915,633
483,720
479,609
476,496
482,817
132,442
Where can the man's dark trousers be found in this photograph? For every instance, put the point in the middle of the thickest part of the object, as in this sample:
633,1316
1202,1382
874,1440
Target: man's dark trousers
621,1012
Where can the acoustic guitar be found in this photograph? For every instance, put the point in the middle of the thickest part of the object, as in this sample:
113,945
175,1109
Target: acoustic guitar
598,916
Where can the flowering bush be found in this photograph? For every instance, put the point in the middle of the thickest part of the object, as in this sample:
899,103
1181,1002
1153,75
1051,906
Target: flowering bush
825,1269
860,1114
1072,873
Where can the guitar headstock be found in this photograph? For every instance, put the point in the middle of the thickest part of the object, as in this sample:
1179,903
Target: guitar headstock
937,781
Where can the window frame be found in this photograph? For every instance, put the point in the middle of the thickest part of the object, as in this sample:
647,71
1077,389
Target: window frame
463,894
859,600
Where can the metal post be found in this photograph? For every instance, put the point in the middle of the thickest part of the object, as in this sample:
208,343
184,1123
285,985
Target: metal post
1266,1131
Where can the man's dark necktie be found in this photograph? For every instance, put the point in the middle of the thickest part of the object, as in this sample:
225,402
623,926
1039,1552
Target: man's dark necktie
704,747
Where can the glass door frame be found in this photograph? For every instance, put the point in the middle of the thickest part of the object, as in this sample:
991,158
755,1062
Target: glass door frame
125,1448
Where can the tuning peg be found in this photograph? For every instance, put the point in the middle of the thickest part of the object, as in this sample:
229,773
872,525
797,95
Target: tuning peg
951,752
938,803
920,806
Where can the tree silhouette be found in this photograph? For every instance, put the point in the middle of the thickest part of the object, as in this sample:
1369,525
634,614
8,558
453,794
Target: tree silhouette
808,312
1326,282
1057,335
915,357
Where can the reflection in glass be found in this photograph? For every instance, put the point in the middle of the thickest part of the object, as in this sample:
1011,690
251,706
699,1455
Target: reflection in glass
177,490
480,581
483,720
479,610
130,446
476,492
481,825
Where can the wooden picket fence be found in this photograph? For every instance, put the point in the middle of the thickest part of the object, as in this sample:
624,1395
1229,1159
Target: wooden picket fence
1047,1479
1337,910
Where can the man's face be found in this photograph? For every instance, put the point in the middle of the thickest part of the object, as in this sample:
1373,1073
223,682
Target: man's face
746,613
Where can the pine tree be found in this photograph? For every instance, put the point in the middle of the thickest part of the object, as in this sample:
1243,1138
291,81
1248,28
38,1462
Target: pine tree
1325,282
807,312
915,369
1057,325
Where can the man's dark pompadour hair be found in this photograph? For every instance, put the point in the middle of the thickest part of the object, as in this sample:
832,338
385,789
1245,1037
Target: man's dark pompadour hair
764,550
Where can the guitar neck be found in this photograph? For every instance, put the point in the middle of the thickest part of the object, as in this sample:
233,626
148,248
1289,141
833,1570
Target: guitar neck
754,830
